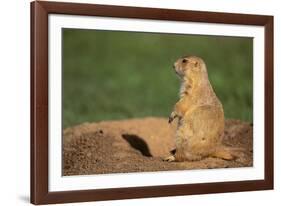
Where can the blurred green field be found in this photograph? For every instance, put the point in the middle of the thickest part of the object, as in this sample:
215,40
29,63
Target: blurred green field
117,75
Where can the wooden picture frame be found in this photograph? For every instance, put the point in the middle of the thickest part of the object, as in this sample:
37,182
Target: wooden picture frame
40,107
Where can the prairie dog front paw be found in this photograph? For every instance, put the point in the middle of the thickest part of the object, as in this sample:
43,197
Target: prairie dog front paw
170,158
172,117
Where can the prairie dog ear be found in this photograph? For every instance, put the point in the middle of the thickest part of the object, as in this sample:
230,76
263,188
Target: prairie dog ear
196,64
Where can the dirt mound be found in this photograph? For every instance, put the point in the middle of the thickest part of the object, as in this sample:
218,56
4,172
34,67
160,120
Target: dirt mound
137,145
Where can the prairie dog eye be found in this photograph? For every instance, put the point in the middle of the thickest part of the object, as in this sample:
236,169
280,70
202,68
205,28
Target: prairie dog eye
184,60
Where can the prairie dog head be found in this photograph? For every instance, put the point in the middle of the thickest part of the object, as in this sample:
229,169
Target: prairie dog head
190,67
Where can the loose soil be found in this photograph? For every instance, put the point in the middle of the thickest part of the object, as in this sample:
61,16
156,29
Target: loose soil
138,145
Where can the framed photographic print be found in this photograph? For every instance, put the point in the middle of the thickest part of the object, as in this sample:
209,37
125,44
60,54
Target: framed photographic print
131,102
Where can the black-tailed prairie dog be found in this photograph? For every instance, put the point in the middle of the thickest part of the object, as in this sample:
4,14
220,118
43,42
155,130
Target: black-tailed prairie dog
200,114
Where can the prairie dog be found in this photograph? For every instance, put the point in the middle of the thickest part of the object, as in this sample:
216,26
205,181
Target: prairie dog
200,114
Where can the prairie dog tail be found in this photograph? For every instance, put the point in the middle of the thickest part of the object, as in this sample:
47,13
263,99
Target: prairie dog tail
227,153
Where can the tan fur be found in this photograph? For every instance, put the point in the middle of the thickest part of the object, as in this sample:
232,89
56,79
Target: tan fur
200,114
223,153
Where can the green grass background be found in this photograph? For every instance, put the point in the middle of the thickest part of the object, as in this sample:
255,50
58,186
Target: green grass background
117,75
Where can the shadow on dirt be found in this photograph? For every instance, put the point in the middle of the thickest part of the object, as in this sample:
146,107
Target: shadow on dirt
137,143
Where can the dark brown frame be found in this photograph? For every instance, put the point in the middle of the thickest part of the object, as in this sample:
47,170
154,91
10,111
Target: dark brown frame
39,102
